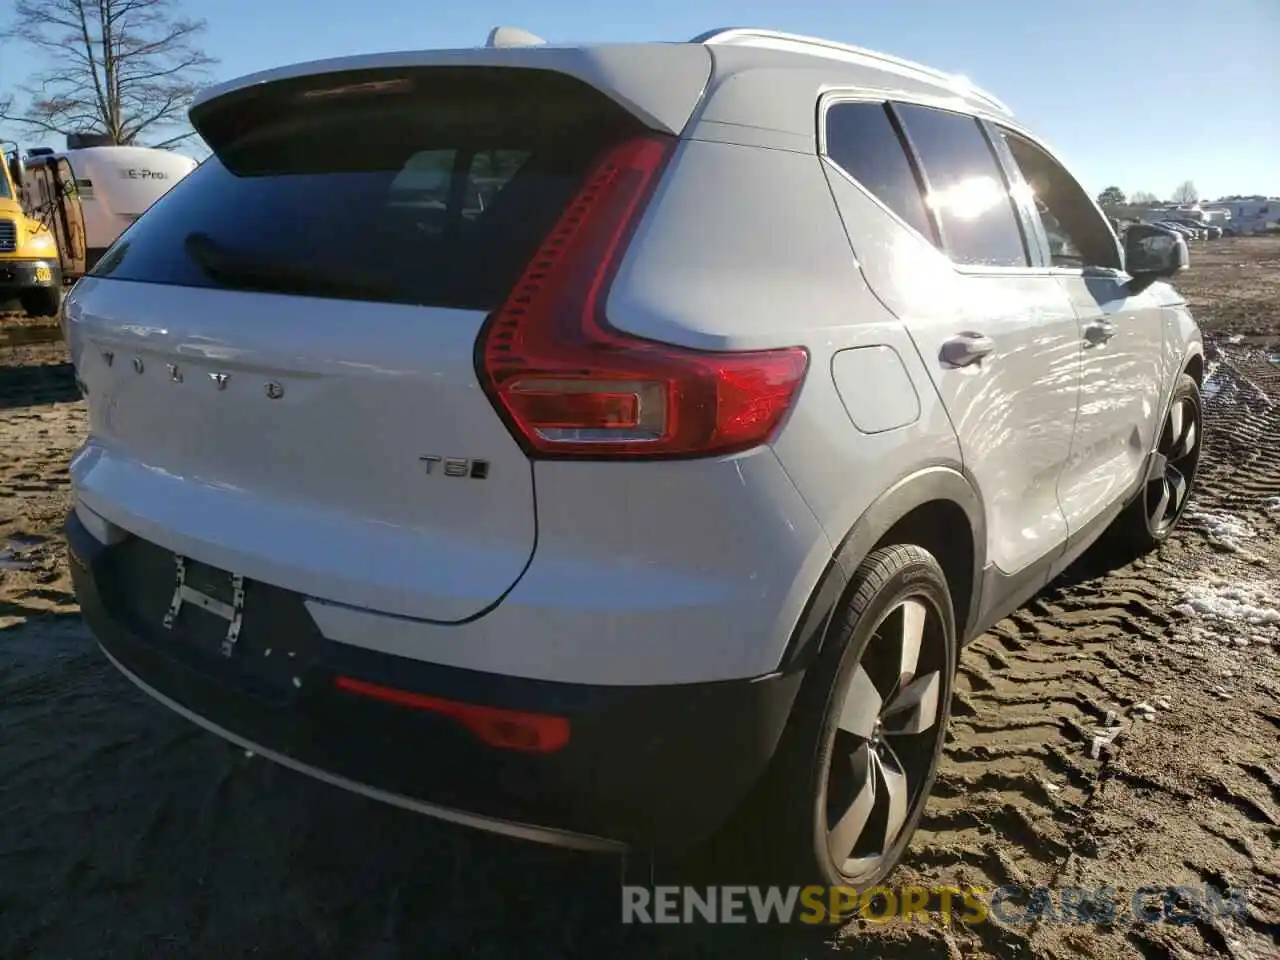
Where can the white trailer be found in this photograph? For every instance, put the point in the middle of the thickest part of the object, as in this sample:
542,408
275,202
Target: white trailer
114,185
1253,215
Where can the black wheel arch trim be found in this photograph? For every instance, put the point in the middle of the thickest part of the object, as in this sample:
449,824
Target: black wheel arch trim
934,483
1195,352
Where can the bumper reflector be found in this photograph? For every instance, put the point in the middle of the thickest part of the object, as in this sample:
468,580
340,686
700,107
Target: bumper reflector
504,729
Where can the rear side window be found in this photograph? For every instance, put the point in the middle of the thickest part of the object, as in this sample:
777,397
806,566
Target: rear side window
862,141
967,190
431,188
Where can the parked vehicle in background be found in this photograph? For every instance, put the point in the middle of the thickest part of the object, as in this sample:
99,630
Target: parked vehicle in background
1217,217
1197,232
1207,224
30,271
1205,230
1176,228
1189,232
647,500
90,193
1248,215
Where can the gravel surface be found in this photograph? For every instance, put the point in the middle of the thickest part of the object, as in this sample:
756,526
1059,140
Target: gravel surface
1121,730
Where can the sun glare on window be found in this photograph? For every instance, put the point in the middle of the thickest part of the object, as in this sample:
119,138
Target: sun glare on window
968,199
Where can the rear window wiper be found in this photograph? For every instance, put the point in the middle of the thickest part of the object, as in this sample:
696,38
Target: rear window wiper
252,271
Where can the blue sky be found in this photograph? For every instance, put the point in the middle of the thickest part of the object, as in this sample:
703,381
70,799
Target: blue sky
1140,93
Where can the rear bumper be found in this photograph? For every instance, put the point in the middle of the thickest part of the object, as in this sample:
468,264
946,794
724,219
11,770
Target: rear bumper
655,767
19,275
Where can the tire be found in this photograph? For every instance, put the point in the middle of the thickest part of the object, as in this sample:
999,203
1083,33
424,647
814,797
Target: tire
43,302
1151,518
837,740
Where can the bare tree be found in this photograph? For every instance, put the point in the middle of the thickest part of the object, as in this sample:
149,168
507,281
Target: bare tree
124,68
1143,197
1186,193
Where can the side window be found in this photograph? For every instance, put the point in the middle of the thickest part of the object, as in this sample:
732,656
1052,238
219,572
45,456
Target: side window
426,184
862,141
967,190
490,171
1078,235
425,179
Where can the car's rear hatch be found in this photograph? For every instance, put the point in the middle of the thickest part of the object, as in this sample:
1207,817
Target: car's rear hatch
279,355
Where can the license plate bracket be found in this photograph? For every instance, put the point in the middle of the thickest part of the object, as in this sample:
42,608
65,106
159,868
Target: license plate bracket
231,609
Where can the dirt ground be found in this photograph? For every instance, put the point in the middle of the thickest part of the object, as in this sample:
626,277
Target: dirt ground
126,832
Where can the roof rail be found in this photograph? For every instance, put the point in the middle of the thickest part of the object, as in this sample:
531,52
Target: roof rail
816,46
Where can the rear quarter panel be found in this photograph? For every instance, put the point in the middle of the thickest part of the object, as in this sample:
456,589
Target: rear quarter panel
742,248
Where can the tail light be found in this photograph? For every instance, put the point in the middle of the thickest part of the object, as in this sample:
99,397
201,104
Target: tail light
569,385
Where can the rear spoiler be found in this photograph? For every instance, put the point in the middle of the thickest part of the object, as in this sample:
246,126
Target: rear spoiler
659,83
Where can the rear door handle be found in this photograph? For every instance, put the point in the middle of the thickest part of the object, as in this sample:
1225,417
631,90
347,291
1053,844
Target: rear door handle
965,349
1099,332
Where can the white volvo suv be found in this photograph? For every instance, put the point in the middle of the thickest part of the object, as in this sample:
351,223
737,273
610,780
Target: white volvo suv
614,445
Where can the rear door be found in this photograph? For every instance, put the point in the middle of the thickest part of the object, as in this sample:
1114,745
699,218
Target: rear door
1004,354
279,354
70,219
1121,338
41,192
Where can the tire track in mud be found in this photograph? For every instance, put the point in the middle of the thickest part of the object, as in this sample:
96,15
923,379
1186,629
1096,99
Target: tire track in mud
1242,414
41,423
1017,796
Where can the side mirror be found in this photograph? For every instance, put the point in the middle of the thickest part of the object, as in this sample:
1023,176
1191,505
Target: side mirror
17,169
1153,253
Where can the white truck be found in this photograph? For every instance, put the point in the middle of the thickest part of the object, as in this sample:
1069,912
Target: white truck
89,193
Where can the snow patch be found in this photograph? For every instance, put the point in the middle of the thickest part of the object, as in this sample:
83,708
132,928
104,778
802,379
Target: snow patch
1238,604
1225,531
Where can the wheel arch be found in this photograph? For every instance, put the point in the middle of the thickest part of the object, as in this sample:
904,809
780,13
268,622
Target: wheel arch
1193,364
937,508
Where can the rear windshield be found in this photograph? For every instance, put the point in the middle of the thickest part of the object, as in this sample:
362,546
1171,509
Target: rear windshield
432,187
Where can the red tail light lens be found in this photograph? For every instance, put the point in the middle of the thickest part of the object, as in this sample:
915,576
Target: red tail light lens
569,385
